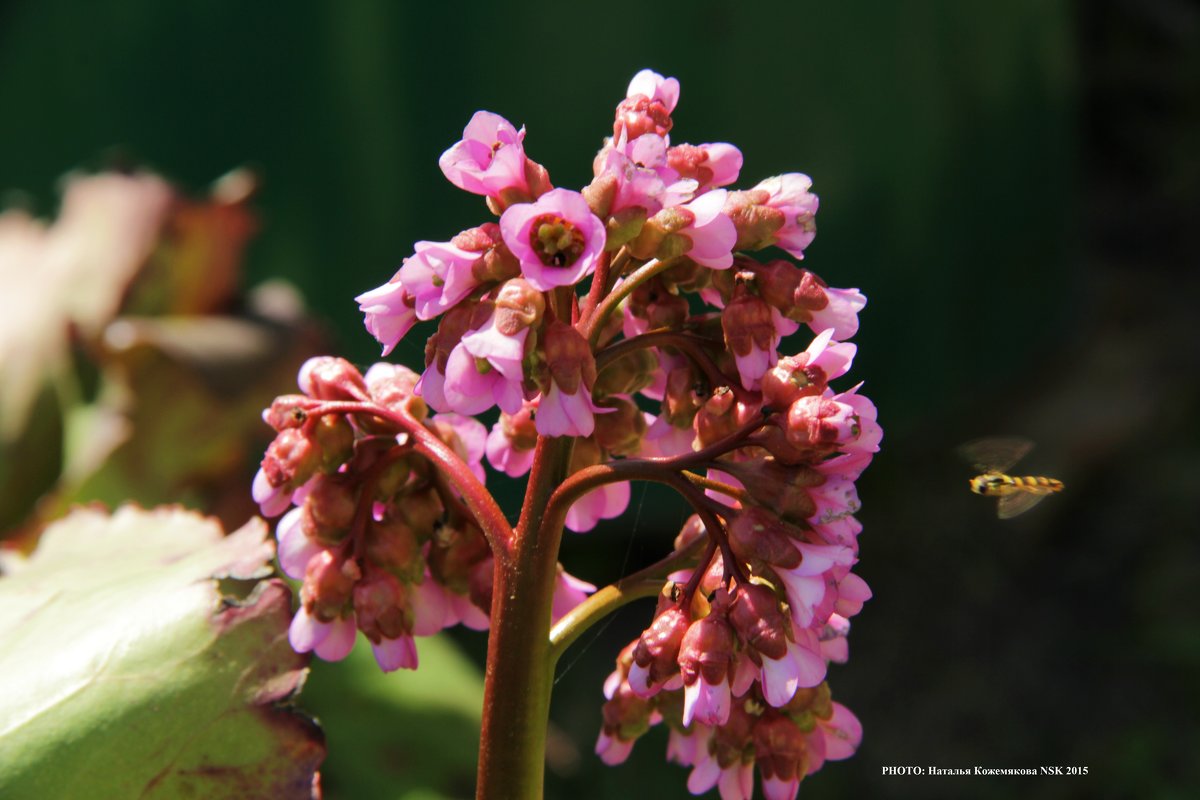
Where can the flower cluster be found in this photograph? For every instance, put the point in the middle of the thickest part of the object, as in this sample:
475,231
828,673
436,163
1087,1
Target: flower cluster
381,540
630,318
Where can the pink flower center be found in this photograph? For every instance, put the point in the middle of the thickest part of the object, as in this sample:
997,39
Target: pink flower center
557,242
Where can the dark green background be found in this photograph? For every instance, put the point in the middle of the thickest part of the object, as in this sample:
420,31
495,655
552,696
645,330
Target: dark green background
1013,185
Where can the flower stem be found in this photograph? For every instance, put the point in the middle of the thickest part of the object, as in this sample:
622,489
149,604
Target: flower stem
647,582
595,323
520,671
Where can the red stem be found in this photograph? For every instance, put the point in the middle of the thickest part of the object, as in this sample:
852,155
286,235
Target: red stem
478,499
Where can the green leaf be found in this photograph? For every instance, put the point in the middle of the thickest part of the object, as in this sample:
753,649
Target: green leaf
143,657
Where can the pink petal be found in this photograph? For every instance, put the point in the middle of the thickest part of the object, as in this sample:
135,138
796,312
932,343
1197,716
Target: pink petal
394,654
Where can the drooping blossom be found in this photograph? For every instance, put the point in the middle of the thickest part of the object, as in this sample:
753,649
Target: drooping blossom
711,233
489,159
790,194
389,312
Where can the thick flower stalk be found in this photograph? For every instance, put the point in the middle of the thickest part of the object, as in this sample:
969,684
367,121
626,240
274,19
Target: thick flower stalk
625,333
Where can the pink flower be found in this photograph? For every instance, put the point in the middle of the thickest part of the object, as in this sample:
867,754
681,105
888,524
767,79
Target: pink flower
566,407
790,194
469,439
649,83
438,277
489,159
712,234
561,413
394,654
272,500
832,358
295,548
389,312
852,593
840,313
710,165
643,179
776,788
735,782
484,369
332,641
569,592
647,106
663,439
556,238
606,502
821,422
801,668
612,749
511,443
807,583
750,334
842,732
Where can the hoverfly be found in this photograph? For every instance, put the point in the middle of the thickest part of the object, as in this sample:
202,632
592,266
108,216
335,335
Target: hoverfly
992,456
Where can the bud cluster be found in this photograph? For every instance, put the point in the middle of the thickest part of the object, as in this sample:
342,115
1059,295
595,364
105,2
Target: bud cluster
381,542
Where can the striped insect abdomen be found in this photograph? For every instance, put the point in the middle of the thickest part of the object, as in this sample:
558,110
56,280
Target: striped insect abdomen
1037,484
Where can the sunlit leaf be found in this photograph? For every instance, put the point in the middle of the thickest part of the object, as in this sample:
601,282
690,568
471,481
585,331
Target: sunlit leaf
144,657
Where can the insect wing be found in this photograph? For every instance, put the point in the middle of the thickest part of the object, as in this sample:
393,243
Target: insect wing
1010,505
995,454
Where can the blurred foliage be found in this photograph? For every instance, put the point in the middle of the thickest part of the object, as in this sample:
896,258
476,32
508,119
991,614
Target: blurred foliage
134,367
161,664
413,736
1013,185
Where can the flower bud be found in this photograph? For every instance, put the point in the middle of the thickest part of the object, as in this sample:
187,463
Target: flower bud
331,378
710,165
783,489
381,607
620,432
291,459
659,237
721,415
392,545
454,325
625,715
657,650
751,336
692,530
659,307
394,386
421,511
329,509
328,582
496,262
820,423
569,358
755,222
630,373
758,619
601,193
757,535
455,549
518,306
334,437
706,650
681,399
288,411
624,226
640,115
780,748
789,380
